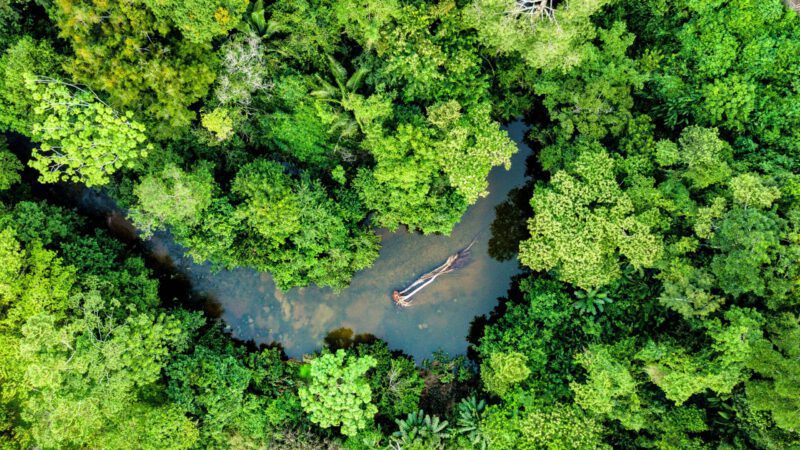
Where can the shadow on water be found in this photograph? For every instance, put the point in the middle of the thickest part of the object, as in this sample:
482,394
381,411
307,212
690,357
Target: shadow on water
253,309
175,285
344,338
479,323
510,225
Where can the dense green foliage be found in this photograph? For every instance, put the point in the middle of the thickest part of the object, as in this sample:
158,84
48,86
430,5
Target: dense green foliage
90,358
81,138
659,306
338,393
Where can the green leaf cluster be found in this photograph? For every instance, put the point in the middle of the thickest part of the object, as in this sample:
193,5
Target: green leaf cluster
338,393
81,139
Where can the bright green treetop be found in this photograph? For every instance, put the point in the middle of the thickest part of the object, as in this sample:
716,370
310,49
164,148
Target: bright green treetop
135,56
82,139
504,370
26,58
296,231
584,222
172,197
10,167
76,365
545,37
775,360
338,393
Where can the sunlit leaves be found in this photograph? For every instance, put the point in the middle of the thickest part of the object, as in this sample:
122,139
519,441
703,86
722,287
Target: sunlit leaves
172,197
750,190
705,156
200,21
547,39
560,426
338,393
610,389
406,185
502,371
32,281
295,231
10,167
26,58
219,123
75,365
425,176
84,375
125,50
734,66
472,144
81,138
775,360
583,223
718,367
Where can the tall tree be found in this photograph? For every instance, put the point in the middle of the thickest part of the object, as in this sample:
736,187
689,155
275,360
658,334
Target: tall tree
127,51
584,223
82,139
338,393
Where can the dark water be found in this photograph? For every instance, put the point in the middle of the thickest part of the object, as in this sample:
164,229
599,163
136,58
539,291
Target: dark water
299,319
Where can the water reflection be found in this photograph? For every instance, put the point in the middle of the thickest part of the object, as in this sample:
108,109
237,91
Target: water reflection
510,225
344,338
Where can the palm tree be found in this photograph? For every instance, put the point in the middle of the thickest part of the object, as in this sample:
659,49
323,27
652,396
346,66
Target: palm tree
420,430
468,421
254,21
340,92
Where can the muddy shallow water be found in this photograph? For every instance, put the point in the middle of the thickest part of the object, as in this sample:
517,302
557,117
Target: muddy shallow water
299,319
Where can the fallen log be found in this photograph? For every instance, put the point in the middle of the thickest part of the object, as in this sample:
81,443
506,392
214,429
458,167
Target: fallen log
453,262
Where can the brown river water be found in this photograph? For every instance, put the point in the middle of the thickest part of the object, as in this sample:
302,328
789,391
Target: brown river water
253,309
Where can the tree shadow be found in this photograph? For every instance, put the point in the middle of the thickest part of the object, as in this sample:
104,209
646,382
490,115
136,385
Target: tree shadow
344,338
510,225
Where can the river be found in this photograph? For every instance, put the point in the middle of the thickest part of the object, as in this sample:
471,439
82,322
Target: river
253,309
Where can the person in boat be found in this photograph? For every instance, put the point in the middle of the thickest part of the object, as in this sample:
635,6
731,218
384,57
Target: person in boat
458,260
